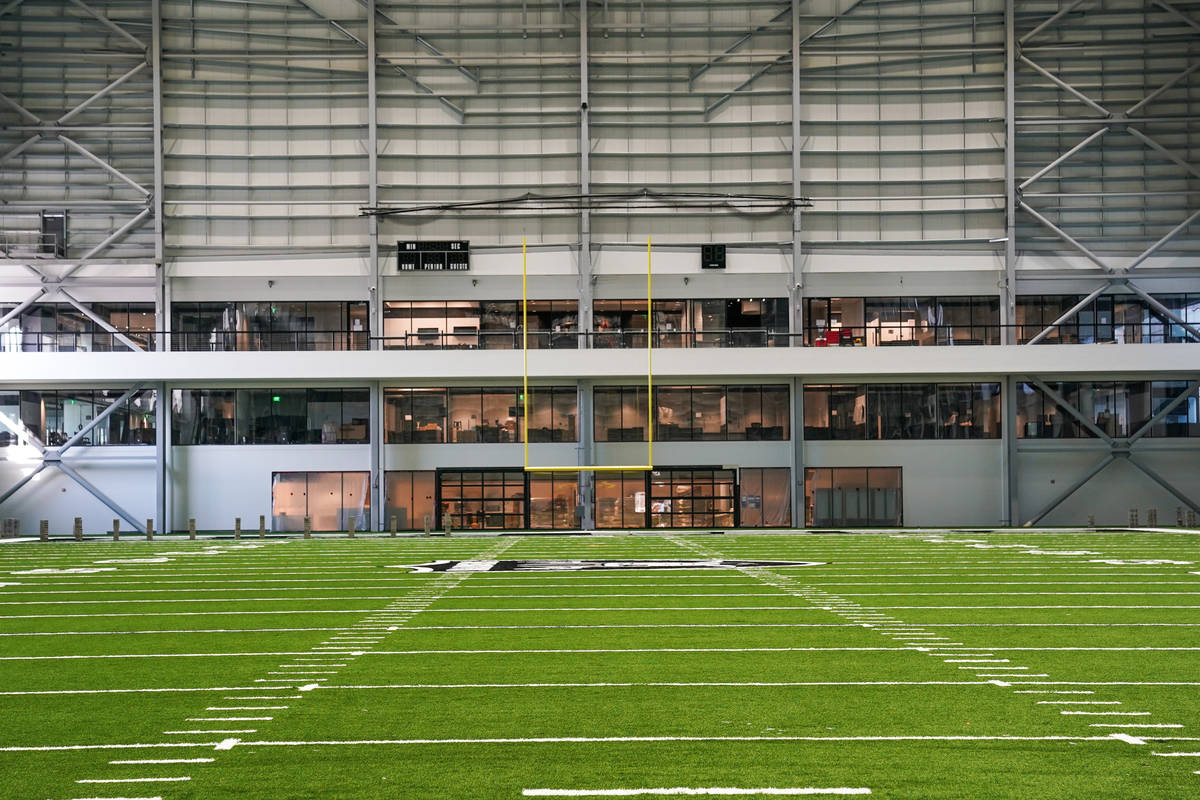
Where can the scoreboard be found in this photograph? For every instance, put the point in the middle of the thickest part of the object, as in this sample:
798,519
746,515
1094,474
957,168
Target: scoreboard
433,256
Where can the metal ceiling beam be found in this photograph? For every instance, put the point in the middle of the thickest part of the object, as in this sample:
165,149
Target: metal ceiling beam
1179,15
20,109
1154,95
22,147
1066,237
112,26
1066,87
11,7
1152,249
107,242
1137,134
100,95
1065,156
733,48
423,43
746,84
422,87
1062,12
104,165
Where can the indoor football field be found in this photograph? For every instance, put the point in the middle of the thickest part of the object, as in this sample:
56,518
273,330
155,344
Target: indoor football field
911,664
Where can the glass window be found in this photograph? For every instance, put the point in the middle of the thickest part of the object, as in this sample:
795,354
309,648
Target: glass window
847,412
499,421
492,500
816,413
621,500
552,500
673,414
620,413
329,499
466,409
429,416
708,413
324,416
356,416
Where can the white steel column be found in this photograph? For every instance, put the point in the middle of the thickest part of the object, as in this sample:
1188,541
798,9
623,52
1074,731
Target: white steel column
587,480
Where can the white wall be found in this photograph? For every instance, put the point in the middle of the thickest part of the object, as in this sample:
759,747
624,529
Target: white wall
1049,469
214,484
944,483
125,474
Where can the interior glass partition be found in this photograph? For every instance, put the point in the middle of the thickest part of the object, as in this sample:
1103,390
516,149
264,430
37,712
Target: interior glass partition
853,496
329,498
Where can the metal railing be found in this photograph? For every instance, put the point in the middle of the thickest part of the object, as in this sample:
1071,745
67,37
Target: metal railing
875,335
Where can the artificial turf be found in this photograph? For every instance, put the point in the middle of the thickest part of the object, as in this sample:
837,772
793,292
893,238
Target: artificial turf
914,664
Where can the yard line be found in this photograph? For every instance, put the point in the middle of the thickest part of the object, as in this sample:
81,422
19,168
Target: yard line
165,761
623,739
684,790
1135,725
297,612
133,780
177,733
166,630
1108,713
228,719
1050,691
1079,702
245,708
1183,755
135,691
572,685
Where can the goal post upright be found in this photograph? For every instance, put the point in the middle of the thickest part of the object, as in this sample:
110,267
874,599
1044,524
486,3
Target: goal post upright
526,397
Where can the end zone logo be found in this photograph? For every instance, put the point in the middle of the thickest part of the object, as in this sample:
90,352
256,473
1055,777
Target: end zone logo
585,564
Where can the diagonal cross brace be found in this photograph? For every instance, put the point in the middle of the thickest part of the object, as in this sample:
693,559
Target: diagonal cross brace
458,112
427,45
746,84
54,458
733,48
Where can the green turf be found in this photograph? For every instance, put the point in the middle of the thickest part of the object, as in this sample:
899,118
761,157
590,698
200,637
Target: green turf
761,677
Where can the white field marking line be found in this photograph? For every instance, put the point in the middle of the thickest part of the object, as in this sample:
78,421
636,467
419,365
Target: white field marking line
264,697
622,739
685,790
297,612
1108,713
133,780
245,708
974,660
1010,675
137,691
1135,725
226,744
1177,755
618,684
168,630
177,733
228,719
164,761
1051,691
190,600
1079,702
